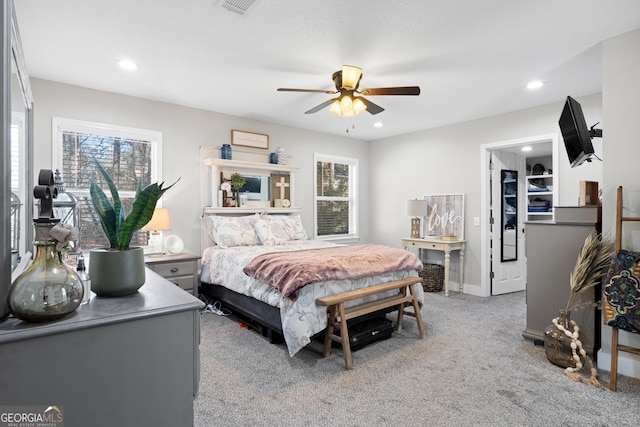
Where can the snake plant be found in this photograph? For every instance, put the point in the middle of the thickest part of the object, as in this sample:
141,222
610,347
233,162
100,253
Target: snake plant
117,226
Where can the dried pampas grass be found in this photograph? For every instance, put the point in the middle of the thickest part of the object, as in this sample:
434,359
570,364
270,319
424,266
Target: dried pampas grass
591,266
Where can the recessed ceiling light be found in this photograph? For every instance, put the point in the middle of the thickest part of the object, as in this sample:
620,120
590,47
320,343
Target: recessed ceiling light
526,148
536,84
378,125
128,65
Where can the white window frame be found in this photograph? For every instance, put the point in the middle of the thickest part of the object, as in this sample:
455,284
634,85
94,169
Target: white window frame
60,125
353,235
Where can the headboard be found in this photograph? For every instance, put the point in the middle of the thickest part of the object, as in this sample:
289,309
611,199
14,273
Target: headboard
211,166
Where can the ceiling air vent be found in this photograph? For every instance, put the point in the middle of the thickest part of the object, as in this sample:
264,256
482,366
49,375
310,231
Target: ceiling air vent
238,6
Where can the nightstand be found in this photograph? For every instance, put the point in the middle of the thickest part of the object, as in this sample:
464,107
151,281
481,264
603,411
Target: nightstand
181,269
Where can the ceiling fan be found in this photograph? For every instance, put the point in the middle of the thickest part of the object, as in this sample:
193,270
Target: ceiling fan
348,103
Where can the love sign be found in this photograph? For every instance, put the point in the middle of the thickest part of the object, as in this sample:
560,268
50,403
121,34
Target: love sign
445,216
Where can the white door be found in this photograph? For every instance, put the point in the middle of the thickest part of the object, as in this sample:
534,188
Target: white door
507,275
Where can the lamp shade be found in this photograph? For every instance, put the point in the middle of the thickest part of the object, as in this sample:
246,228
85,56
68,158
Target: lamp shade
416,207
159,221
351,77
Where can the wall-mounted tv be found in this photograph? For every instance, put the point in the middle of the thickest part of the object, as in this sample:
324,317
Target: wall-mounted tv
577,136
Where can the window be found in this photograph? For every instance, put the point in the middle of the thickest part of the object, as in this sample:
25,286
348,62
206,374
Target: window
335,209
128,155
18,178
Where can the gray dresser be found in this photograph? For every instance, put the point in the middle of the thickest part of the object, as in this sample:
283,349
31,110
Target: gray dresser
128,361
552,248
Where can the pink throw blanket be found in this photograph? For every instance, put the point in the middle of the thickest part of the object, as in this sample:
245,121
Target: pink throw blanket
290,271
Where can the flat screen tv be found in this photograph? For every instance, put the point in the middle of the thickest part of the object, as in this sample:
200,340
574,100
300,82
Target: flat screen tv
255,187
576,134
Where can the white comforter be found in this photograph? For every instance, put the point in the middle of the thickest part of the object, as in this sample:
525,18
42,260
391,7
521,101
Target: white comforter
302,318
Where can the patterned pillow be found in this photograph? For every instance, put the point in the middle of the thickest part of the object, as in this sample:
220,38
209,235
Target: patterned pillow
621,293
293,226
280,229
271,232
228,231
207,223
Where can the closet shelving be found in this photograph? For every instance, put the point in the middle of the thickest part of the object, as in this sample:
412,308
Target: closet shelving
540,190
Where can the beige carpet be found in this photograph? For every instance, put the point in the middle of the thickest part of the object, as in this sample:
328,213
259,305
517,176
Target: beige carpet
474,369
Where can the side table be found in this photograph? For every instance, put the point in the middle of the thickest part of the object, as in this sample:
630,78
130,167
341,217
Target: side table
180,269
445,246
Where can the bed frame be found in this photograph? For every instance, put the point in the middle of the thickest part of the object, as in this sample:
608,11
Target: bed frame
258,315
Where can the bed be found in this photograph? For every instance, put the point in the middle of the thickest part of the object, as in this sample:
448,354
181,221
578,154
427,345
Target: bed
240,243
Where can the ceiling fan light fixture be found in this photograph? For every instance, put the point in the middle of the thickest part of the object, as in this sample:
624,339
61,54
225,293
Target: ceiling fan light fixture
350,77
335,108
346,104
358,105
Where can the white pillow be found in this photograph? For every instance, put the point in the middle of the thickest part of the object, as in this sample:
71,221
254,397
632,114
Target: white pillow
278,230
270,232
228,231
293,225
209,227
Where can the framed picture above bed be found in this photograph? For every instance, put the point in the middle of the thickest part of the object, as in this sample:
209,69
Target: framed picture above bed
249,139
445,217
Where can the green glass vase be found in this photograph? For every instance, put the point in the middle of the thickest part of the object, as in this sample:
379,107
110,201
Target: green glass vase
48,289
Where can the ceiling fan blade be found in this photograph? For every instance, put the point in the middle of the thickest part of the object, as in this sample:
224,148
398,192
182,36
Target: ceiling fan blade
320,107
285,89
400,90
371,107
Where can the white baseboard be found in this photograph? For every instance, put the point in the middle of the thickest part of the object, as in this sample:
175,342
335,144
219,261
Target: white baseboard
628,365
473,290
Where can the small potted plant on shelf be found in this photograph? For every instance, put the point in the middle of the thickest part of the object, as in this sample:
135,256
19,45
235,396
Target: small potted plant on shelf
237,181
119,269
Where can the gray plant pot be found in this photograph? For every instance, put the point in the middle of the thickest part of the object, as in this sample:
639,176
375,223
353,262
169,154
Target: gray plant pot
116,273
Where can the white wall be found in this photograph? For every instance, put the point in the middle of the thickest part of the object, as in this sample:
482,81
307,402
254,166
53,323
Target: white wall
184,131
621,109
446,160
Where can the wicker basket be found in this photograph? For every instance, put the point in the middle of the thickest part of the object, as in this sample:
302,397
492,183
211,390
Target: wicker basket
432,277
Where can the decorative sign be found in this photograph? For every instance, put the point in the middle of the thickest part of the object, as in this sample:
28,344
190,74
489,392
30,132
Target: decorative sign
249,139
280,189
445,216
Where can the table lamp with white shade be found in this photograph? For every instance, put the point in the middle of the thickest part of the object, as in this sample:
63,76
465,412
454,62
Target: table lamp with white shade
417,209
159,222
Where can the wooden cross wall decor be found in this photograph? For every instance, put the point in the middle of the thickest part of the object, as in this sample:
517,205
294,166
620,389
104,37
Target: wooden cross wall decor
282,184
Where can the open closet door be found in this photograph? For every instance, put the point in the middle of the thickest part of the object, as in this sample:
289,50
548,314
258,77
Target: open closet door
508,262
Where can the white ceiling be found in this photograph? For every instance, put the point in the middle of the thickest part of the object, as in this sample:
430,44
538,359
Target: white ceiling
470,58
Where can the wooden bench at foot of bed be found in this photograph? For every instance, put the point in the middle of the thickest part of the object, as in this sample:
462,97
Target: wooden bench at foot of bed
338,314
